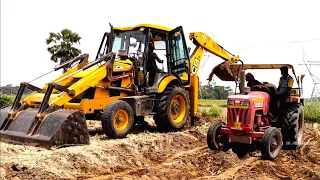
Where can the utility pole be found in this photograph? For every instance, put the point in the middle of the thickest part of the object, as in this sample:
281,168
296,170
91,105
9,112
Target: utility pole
315,95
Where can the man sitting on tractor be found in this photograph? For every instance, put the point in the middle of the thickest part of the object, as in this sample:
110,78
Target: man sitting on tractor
251,80
285,85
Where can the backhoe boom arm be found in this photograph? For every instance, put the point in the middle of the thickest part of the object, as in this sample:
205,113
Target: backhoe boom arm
203,43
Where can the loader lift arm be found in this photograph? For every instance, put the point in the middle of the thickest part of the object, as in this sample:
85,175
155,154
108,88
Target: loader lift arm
203,43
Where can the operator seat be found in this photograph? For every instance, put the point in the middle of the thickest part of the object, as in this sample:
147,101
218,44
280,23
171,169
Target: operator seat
273,98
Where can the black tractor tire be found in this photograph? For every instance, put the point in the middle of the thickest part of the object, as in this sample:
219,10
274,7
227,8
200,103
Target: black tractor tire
271,143
164,119
117,119
292,124
216,140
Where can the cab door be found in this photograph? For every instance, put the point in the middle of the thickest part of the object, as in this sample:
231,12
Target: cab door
179,62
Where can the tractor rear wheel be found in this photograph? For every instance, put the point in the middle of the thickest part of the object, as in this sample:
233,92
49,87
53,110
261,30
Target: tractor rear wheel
271,143
172,109
215,139
292,124
117,119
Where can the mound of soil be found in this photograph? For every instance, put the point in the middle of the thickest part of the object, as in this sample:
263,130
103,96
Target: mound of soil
152,155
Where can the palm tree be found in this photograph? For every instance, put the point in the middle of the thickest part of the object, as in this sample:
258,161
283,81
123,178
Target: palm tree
63,49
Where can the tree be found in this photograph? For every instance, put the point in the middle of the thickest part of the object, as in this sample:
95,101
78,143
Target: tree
215,92
63,49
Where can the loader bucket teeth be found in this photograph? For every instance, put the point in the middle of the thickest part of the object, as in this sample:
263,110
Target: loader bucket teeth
59,128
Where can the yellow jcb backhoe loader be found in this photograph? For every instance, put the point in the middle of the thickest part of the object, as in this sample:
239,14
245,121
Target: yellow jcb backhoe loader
114,89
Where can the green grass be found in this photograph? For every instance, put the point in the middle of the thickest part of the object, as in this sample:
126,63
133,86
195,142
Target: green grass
11,97
312,112
210,102
5,101
214,107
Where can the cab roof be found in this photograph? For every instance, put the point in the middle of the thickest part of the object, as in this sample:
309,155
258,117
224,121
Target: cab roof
260,66
154,26
229,71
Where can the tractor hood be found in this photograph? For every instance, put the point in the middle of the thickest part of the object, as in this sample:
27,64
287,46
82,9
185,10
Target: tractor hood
254,99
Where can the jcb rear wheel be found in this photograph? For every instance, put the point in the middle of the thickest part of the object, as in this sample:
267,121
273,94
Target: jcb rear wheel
117,119
172,109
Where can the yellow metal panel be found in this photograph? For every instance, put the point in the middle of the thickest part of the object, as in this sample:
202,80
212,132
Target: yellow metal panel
164,83
143,25
240,107
122,66
86,72
83,84
258,99
72,106
194,94
37,98
89,105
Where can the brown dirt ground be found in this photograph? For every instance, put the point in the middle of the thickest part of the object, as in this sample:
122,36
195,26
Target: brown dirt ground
152,155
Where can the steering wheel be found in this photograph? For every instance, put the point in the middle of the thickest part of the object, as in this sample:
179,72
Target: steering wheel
260,88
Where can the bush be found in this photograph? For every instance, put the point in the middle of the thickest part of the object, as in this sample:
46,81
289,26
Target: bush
215,111
204,113
312,112
5,101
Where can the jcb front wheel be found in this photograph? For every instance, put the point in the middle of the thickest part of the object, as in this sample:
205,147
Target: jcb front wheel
117,119
172,109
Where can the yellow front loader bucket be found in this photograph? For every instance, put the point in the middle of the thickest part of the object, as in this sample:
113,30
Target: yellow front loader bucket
49,124
59,128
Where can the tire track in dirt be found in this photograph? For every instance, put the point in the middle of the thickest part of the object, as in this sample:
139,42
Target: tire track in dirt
231,173
167,162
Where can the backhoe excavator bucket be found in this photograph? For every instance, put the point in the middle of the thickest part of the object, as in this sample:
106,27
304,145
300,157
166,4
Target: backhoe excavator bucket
59,128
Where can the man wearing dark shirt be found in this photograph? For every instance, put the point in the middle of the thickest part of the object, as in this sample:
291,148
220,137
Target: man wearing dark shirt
151,64
251,80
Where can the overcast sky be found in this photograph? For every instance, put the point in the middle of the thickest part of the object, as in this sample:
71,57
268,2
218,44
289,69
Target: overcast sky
257,31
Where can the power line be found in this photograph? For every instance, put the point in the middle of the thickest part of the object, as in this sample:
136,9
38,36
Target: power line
316,80
292,42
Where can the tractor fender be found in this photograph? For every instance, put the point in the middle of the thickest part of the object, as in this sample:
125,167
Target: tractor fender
166,81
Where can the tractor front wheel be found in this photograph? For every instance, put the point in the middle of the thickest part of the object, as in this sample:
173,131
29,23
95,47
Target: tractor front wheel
172,109
215,139
271,143
117,119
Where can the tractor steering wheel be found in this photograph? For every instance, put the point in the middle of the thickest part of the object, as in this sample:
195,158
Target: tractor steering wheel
260,88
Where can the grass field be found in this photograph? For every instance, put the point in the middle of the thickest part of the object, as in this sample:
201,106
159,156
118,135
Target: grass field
210,102
312,112
312,109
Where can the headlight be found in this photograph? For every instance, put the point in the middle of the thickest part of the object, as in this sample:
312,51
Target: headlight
244,103
231,103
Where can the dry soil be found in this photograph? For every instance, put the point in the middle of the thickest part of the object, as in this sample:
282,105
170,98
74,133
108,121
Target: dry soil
152,155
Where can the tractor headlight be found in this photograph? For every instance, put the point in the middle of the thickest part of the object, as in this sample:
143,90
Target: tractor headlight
231,103
244,103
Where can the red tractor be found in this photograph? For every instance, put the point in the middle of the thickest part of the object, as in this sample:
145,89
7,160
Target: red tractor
254,119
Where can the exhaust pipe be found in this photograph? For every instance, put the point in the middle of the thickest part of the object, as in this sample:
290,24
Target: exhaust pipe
242,81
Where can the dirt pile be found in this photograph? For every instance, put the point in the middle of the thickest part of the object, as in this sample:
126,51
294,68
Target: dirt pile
178,155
